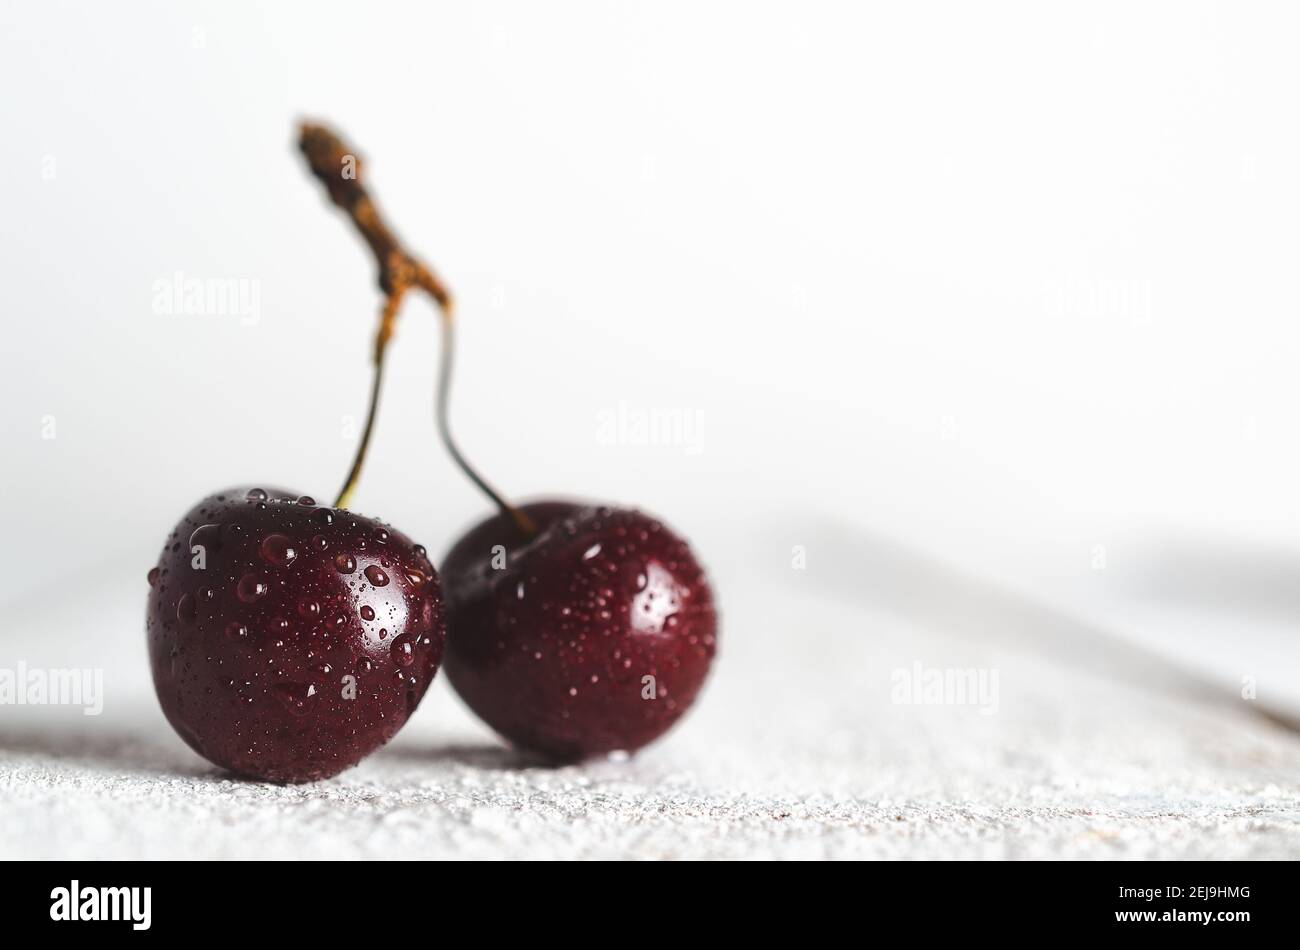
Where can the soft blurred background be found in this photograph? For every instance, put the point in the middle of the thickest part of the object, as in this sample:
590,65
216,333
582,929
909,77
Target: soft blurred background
1003,289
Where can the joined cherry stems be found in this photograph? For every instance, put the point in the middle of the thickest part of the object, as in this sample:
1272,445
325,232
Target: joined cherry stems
339,169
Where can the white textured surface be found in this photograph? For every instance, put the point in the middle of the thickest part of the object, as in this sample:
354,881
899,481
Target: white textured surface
796,750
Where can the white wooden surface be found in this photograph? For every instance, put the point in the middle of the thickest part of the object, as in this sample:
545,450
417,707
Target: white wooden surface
797,750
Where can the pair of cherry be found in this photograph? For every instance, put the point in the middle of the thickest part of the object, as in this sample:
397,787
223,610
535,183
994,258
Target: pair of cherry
288,639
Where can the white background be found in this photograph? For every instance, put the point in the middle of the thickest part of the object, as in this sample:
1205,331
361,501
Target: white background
1001,283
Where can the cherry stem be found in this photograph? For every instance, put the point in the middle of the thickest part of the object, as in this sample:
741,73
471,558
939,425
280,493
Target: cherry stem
344,498
339,170
386,319
442,411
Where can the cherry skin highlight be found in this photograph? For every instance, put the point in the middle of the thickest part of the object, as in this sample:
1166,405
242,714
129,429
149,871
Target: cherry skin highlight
591,636
288,640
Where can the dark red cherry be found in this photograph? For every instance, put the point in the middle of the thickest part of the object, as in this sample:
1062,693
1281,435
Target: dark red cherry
593,635
287,640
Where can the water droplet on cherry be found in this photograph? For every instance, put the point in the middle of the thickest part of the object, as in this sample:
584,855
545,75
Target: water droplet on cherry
298,697
278,549
402,651
251,587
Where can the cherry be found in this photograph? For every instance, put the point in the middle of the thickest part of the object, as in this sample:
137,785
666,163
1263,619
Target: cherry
573,630
287,640
592,634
